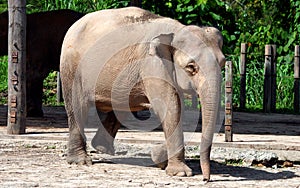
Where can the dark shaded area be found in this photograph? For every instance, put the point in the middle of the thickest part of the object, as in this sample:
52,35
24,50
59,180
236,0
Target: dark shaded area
44,36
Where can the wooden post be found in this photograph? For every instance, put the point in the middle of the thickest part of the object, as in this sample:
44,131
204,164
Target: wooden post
273,78
16,120
267,80
296,78
243,76
228,102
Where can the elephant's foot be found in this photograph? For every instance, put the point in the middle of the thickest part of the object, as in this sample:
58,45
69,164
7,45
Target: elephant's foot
103,146
82,159
77,149
78,155
159,156
35,112
104,149
177,167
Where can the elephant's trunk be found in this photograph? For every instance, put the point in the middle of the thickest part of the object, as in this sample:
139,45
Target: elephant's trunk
209,93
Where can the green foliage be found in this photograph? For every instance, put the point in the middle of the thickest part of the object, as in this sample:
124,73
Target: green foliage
83,6
234,162
3,5
3,79
49,91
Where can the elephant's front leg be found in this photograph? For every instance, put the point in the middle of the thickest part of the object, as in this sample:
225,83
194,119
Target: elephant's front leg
174,140
167,106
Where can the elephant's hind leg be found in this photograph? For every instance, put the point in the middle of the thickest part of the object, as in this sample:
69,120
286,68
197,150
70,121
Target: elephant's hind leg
103,141
77,149
77,145
77,119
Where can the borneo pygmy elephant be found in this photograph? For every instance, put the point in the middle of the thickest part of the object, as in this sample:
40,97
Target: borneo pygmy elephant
45,34
125,60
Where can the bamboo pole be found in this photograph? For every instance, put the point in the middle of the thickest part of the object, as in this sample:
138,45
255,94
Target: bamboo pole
228,102
16,120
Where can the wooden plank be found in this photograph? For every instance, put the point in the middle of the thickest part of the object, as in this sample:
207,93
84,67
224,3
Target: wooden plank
243,63
228,102
296,79
16,122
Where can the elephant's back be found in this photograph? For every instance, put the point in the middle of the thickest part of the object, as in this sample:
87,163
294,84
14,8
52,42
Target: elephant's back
96,24
102,33
99,23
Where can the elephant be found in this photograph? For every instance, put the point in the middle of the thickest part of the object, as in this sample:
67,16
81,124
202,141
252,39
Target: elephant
45,33
127,60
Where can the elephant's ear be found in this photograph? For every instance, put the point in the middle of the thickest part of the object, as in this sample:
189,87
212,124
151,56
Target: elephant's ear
161,46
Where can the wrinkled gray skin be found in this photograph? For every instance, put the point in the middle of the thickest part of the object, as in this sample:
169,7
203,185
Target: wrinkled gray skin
124,60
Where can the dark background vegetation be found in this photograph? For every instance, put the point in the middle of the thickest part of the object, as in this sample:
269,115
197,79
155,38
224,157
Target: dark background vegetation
255,22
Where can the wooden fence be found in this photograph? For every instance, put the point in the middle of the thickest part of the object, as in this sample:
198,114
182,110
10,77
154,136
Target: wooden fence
269,97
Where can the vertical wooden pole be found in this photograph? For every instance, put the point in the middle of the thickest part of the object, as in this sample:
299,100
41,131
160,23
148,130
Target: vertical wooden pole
16,122
296,78
273,79
228,102
243,76
267,80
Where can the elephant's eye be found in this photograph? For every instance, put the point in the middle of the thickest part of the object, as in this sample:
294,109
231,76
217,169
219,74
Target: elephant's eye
192,68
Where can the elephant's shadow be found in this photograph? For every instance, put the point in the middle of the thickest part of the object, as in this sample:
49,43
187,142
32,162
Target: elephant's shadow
243,173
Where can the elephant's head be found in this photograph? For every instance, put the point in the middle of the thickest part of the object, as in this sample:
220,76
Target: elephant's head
198,52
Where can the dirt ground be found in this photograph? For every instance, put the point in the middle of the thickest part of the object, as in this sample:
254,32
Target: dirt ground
28,163
36,160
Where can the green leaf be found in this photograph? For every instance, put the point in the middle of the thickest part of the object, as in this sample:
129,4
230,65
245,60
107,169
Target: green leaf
232,37
215,16
201,2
